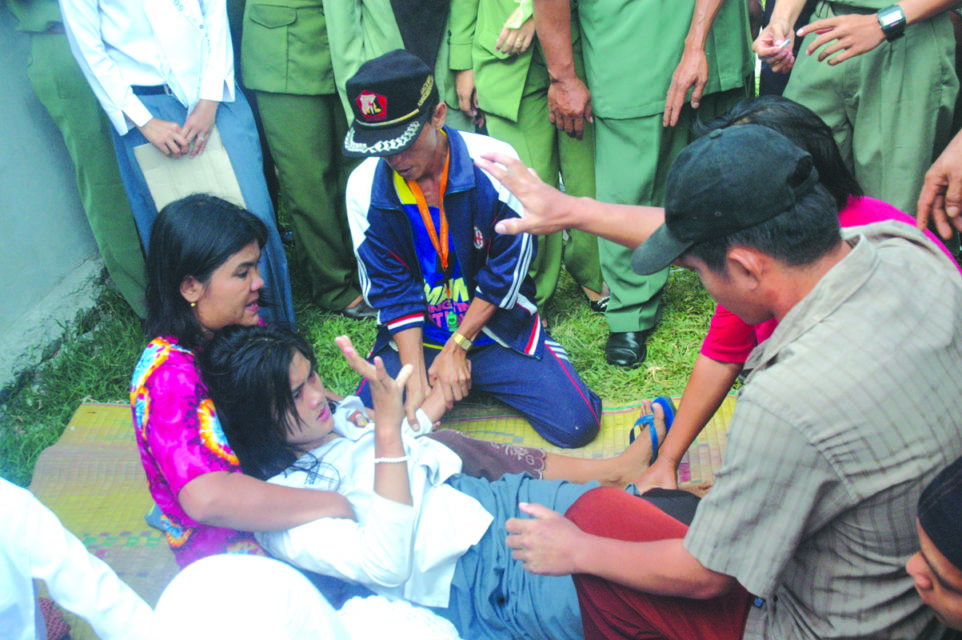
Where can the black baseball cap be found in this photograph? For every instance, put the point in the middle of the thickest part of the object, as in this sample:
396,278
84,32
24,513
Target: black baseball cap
391,97
940,512
731,179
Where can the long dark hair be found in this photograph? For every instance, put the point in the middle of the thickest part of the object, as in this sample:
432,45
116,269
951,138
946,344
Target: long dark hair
192,236
802,126
247,373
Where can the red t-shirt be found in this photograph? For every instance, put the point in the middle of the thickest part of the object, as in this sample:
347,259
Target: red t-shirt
730,339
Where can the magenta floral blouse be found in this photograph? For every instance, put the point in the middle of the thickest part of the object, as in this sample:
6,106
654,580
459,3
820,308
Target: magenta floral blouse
180,438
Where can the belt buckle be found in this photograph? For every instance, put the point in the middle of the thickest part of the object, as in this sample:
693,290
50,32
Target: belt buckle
167,91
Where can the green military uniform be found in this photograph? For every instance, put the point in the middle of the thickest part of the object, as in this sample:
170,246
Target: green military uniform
64,92
361,31
513,93
890,109
286,60
631,49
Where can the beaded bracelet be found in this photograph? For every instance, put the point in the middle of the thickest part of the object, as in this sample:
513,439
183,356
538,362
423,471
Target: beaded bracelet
390,460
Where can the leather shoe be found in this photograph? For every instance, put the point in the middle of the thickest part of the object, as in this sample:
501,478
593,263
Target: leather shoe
360,311
626,348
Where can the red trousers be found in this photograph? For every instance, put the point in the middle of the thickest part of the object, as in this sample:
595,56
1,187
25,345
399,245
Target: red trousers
614,612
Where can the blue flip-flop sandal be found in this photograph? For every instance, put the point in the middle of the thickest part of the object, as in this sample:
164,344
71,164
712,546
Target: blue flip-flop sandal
668,408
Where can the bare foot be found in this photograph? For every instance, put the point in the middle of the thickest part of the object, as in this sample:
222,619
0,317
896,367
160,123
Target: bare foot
637,457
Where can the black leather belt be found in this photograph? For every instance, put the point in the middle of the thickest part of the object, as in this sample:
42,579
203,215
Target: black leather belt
155,90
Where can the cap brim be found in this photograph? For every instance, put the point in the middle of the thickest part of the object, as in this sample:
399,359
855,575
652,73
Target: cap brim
657,252
365,142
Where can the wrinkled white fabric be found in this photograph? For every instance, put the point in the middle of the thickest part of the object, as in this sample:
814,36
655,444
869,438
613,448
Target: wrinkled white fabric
244,598
35,545
377,618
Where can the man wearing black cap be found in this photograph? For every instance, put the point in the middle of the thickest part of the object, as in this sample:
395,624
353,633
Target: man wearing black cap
848,410
453,297
937,567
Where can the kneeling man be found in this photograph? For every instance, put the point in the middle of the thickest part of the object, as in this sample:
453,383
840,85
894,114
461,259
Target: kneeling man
453,297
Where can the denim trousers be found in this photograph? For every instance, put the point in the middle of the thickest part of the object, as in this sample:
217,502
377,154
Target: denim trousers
235,123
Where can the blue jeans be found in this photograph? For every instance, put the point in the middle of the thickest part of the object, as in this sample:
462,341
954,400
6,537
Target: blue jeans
235,122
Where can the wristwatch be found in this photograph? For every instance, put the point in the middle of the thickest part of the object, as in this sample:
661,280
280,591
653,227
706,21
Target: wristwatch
892,21
461,341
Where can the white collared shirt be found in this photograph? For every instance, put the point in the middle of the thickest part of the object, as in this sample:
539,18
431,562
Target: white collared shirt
399,551
34,544
184,44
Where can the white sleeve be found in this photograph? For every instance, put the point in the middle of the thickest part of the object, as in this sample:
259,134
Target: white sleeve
75,579
217,75
81,21
374,552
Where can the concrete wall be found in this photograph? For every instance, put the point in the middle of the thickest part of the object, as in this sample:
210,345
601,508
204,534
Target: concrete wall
48,255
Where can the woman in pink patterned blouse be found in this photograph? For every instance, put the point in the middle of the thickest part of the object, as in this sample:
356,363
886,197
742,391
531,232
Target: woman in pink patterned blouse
202,276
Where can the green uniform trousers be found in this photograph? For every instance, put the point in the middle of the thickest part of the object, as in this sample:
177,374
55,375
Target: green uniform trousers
890,109
64,92
304,134
631,164
551,153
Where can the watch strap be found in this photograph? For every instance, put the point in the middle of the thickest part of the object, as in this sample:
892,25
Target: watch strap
892,21
461,341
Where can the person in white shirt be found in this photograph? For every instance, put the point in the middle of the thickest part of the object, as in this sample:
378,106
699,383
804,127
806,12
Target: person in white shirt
424,532
35,545
163,70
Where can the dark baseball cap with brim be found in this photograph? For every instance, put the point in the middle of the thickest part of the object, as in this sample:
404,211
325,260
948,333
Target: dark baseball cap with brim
940,512
391,98
729,180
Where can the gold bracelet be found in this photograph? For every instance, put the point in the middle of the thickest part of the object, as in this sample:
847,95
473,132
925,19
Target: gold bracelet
461,341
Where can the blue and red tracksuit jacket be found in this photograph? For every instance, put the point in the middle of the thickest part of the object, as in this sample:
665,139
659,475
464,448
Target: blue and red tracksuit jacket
494,266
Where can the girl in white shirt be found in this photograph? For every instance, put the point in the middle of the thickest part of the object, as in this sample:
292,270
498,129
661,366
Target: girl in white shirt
163,70
424,532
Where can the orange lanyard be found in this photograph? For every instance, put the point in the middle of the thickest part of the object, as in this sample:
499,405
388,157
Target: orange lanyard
440,244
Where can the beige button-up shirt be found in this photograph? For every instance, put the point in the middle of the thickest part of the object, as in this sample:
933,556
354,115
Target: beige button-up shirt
850,409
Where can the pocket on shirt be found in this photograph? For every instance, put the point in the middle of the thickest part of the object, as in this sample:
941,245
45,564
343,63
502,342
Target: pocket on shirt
285,50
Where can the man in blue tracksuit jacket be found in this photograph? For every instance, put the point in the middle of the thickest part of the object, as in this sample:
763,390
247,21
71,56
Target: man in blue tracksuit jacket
453,297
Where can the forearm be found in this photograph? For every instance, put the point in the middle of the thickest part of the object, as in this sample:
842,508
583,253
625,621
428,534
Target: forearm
410,347
552,23
238,501
390,478
787,11
662,567
702,19
707,386
920,10
81,20
627,225
477,315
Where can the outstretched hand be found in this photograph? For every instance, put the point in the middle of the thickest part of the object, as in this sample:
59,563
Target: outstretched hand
545,543
851,34
386,392
536,197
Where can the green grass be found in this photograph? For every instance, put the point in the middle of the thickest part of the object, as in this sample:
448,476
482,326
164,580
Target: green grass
99,350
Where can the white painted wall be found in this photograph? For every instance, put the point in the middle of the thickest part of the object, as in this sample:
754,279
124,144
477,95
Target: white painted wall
46,247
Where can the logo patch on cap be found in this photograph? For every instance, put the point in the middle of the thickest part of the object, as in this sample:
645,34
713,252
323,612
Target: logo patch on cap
373,106
478,238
